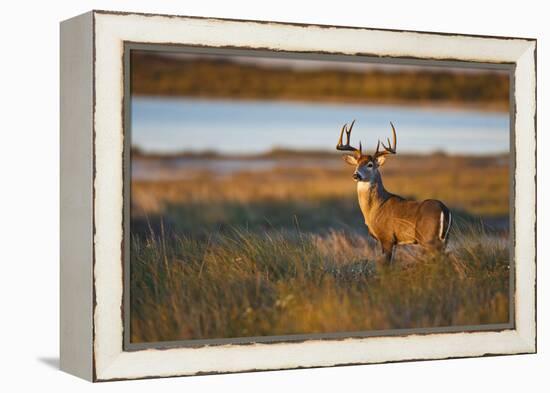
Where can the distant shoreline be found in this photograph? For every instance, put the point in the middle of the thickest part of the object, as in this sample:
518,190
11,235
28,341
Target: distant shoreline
495,107
283,154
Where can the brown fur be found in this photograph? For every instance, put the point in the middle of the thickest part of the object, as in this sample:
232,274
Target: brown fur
394,220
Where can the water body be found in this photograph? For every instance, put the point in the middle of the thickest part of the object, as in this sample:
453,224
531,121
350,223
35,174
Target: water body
250,127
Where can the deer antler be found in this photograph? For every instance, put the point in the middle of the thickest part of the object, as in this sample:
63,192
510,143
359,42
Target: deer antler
390,149
347,146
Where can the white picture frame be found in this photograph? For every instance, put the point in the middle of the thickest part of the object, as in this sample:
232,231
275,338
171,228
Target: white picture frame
92,194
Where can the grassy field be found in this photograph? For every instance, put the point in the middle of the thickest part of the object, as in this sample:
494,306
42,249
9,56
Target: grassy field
284,251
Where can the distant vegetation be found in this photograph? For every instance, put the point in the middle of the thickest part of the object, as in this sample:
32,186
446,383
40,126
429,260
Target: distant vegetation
202,77
275,153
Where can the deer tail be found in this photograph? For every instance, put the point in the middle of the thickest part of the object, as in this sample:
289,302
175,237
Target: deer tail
444,229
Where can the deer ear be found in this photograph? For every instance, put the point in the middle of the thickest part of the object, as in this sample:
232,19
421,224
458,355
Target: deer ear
380,160
349,159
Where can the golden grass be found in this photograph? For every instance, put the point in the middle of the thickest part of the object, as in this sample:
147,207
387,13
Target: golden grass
285,251
248,284
476,185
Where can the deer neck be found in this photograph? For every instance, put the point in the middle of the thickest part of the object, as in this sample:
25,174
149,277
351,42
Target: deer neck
371,196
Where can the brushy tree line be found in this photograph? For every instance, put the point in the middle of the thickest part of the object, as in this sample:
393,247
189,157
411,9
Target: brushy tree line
218,78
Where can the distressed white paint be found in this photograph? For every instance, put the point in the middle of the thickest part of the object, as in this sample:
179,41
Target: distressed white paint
526,198
112,30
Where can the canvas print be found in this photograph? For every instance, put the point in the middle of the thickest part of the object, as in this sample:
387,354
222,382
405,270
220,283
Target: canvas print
287,196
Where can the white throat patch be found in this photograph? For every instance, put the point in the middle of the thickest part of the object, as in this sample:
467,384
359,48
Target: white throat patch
363,186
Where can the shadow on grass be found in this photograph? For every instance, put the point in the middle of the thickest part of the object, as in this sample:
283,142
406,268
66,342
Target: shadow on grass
318,216
196,218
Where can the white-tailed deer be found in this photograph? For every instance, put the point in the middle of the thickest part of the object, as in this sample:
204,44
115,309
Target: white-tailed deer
391,219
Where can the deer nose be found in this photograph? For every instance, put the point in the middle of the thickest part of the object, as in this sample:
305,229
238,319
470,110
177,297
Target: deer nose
356,176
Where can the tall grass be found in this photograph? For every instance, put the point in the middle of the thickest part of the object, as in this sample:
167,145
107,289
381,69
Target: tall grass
285,251
244,283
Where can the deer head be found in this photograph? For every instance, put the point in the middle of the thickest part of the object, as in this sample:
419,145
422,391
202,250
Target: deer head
366,165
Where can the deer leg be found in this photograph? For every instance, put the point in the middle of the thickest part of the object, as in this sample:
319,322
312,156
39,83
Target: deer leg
434,247
387,251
